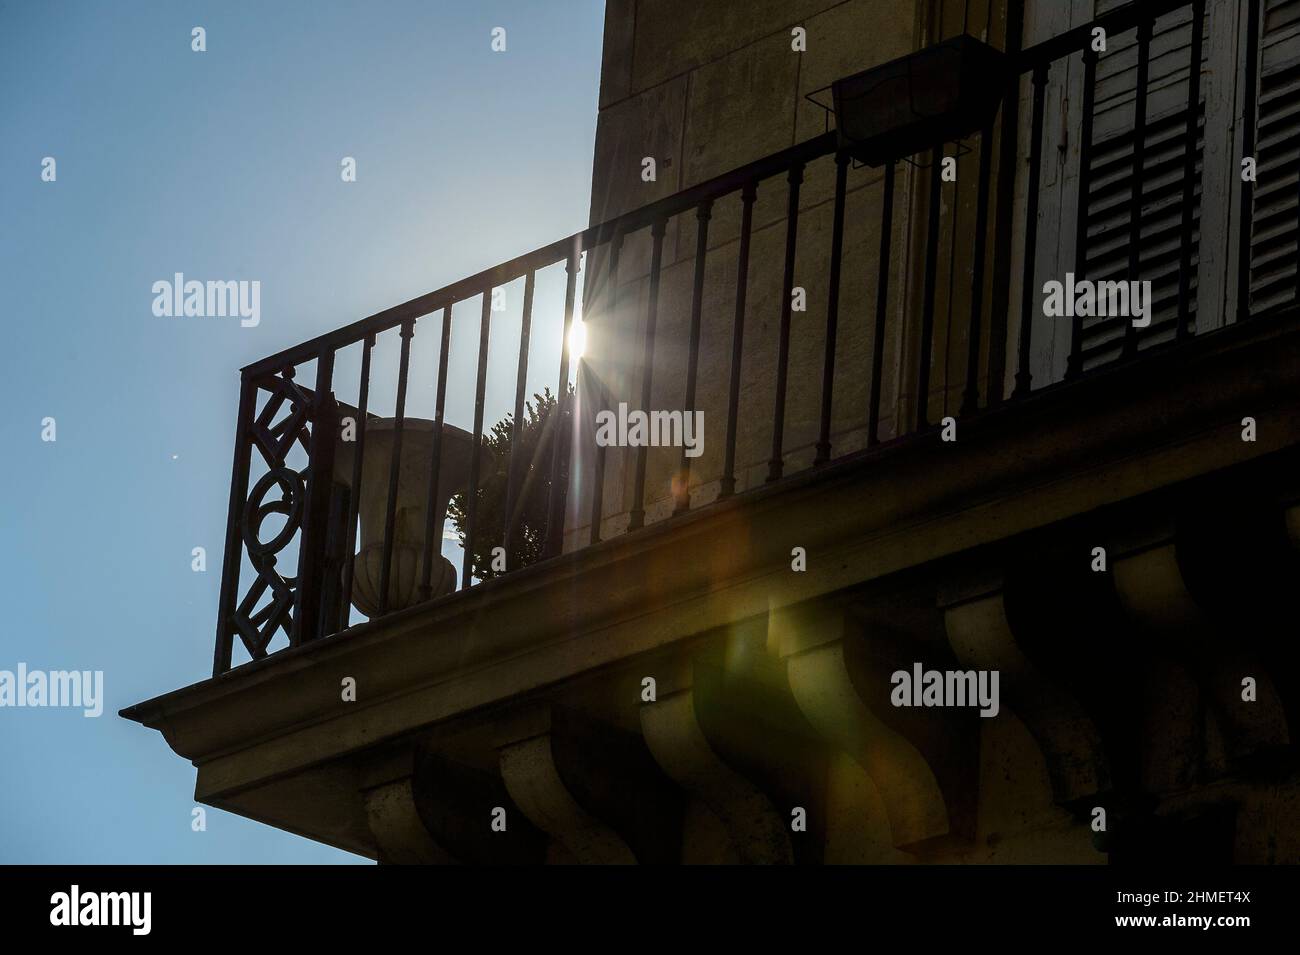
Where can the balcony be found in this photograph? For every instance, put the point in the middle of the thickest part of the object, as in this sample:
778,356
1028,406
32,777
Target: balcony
924,323
961,315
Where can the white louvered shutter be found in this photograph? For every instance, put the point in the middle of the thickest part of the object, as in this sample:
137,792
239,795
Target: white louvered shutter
1110,207
1276,195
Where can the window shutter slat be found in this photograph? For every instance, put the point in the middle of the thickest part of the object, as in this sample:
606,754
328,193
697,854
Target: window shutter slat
1109,207
1276,195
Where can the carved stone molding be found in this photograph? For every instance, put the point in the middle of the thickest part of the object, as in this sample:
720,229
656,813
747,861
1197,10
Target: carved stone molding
923,762
756,829
398,828
982,638
1239,562
457,804
424,809
388,789
1151,587
593,787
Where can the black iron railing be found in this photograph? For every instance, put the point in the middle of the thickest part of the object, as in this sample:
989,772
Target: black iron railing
295,428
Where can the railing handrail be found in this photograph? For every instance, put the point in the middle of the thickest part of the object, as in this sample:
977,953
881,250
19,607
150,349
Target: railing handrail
589,238
1117,21
1071,41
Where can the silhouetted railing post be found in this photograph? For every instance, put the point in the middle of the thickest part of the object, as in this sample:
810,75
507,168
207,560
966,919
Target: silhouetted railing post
234,517
432,528
560,434
748,194
970,401
601,397
1074,366
394,466
315,514
1028,298
832,310
702,213
927,306
882,304
1004,204
354,498
516,431
471,491
776,465
602,402
637,517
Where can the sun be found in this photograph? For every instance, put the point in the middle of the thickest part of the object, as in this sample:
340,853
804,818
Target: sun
577,339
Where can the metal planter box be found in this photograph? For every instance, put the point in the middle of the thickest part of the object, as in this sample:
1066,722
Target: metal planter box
942,93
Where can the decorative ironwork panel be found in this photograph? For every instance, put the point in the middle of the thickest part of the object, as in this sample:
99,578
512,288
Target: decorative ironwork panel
267,605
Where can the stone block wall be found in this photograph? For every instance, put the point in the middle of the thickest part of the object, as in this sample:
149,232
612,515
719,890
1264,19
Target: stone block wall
704,88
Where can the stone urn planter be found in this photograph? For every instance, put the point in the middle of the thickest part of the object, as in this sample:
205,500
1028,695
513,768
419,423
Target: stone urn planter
407,568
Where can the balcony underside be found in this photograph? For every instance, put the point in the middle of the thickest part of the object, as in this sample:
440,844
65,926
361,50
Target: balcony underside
772,685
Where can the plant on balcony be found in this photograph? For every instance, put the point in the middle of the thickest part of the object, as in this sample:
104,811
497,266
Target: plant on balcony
535,450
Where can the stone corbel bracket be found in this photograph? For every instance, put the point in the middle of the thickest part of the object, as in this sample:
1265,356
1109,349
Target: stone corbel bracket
424,809
754,825
982,638
1090,668
592,787
457,802
398,830
388,788
1239,562
924,762
1151,585
730,733
743,703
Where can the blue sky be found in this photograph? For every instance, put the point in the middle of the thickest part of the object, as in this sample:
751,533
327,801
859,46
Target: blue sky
221,165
